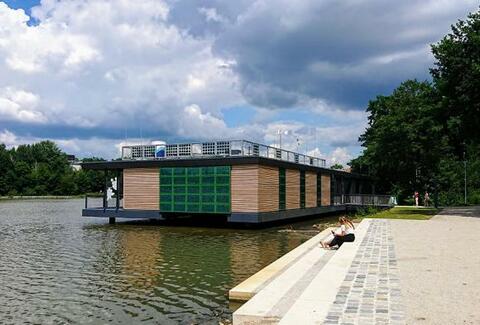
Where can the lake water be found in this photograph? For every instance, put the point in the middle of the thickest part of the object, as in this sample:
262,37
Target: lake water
59,267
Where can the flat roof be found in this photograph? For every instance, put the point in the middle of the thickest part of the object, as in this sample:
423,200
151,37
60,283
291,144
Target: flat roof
213,161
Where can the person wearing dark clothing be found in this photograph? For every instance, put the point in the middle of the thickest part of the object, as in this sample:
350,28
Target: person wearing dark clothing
345,235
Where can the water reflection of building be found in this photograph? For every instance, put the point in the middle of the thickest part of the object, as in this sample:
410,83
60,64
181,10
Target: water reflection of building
141,250
250,254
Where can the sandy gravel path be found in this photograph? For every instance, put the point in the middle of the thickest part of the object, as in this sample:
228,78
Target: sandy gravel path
439,264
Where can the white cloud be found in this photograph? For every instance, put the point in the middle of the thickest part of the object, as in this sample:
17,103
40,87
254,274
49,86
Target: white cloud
106,66
339,156
110,64
8,138
211,14
20,105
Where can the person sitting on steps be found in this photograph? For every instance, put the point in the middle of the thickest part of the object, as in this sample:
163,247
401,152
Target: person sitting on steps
346,234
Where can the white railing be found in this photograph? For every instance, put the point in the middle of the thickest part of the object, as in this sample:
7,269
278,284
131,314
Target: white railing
363,200
235,148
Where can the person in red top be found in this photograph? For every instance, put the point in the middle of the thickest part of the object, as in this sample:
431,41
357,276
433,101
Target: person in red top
415,196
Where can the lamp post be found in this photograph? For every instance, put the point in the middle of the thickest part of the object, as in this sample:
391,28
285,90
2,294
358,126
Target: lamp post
465,176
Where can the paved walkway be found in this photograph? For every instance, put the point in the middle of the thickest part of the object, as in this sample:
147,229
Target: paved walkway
370,292
399,271
359,284
439,265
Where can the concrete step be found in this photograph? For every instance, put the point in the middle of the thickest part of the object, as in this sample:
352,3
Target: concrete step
305,288
248,288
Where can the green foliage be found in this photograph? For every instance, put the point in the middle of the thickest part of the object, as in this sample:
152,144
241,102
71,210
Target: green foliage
405,213
42,169
337,166
366,211
417,137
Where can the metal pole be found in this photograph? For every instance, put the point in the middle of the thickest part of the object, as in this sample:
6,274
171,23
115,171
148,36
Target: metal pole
465,177
117,191
105,191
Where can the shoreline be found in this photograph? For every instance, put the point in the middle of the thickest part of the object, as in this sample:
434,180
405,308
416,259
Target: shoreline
42,197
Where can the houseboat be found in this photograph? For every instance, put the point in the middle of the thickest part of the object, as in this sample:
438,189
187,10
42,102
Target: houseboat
240,181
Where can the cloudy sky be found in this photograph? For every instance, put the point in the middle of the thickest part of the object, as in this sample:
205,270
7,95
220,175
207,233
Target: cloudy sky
92,74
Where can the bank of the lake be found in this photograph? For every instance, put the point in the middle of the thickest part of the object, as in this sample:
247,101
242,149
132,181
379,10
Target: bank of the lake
56,266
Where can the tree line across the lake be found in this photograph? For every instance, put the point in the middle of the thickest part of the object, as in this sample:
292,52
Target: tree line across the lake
426,134
43,169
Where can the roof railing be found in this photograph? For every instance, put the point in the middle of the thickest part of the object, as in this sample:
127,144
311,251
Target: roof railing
234,148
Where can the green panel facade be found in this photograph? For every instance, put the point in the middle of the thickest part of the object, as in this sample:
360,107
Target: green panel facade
319,189
282,190
195,189
302,189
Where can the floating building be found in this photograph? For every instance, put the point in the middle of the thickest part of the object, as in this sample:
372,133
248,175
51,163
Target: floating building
240,181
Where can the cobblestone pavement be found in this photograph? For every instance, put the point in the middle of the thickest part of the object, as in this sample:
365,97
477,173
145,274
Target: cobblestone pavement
370,292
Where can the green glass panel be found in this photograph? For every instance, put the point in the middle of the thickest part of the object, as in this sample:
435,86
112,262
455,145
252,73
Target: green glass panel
166,188
223,179
193,198
179,181
208,180
193,171
208,208
179,189
193,189
166,171
281,189
165,197
319,189
222,170
179,171
193,180
179,207
208,189
166,207
302,189
206,198
193,208
208,170
179,198
223,199
223,189
220,208
165,179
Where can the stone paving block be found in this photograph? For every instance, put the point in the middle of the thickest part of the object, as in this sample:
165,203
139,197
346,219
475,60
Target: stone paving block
370,292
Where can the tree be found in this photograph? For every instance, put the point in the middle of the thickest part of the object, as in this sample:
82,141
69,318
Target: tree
42,169
337,166
418,136
403,140
456,76
6,166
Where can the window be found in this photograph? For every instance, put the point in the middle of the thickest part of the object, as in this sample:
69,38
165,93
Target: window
282,193
302,189
195,189
319,190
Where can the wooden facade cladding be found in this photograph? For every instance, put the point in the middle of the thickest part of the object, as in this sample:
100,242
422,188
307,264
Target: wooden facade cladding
310,189
254,188
326,199
244,188
268,188
293,189
141,188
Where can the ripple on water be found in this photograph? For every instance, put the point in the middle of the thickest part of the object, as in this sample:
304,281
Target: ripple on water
56,267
